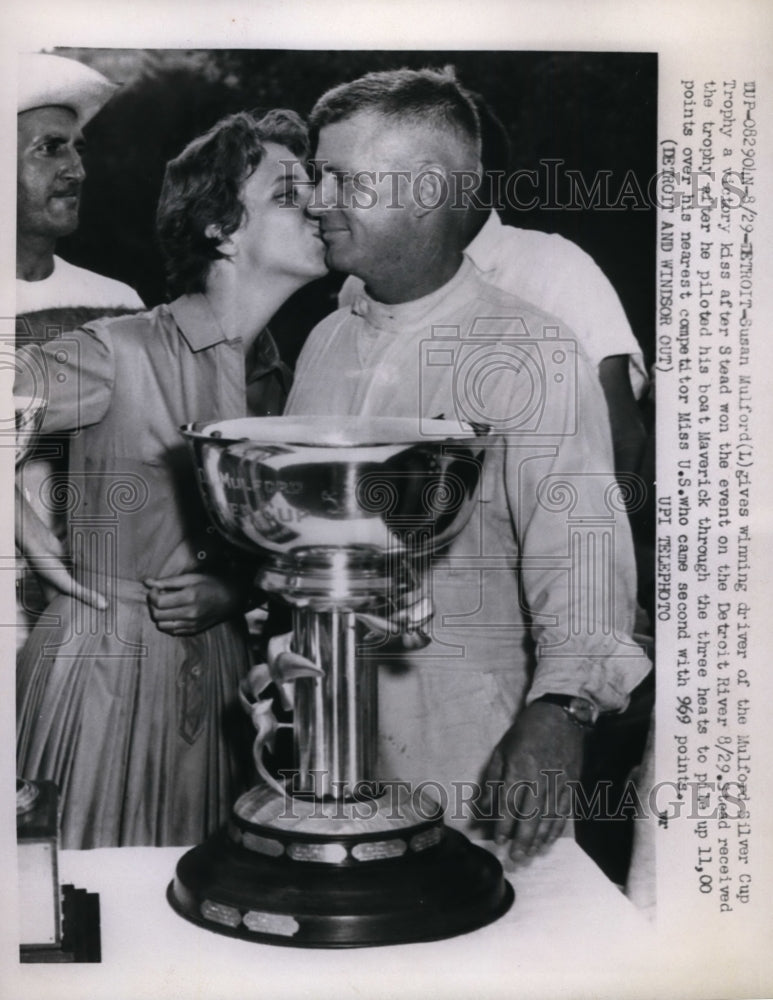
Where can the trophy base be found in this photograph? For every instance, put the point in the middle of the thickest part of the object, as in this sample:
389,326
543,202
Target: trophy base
334,888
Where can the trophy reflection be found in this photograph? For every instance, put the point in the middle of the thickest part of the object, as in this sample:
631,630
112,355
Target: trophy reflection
346,514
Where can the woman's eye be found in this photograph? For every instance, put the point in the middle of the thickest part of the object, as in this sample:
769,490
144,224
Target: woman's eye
295,196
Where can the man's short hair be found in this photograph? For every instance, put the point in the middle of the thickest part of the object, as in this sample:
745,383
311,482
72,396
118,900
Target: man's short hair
429,98
202,187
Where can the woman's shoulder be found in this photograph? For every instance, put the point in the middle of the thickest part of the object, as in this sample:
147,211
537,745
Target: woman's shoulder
138,331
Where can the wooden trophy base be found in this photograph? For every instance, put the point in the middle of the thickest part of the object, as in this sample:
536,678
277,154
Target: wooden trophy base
291,887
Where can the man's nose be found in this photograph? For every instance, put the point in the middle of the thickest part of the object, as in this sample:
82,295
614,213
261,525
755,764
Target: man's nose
322,196
73,168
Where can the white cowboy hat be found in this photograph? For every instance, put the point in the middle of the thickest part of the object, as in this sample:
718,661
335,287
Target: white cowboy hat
53,80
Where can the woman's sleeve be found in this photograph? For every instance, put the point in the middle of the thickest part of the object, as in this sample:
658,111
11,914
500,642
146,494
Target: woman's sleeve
71,377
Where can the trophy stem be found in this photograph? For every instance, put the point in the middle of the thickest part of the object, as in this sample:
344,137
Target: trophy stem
336,714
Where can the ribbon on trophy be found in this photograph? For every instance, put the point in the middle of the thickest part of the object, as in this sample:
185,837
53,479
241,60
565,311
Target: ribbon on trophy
402,629
282,668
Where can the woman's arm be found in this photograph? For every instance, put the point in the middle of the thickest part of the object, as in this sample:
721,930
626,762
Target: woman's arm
68,383
70,378
45,555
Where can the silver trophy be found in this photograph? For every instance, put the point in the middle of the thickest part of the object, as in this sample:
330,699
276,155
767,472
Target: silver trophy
346,513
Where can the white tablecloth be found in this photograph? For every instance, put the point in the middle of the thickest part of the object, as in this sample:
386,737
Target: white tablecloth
569,932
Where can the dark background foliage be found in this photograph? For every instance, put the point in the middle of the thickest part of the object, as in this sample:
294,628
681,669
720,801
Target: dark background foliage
592,111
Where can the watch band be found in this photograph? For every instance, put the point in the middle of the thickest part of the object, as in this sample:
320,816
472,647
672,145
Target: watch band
581,711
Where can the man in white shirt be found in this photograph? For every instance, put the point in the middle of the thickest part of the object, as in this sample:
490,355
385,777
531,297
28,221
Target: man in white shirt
56,98
534,600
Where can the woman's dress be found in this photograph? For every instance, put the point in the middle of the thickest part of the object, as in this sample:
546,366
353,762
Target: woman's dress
140,730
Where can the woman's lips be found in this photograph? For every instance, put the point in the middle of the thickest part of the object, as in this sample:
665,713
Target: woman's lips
329,231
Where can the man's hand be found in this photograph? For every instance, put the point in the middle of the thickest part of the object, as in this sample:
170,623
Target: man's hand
538,754
399,629
192,602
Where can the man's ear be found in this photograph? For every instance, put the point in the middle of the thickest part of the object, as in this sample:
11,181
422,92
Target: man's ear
430,188
213,231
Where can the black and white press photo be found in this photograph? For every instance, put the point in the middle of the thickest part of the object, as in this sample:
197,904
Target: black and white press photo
385,437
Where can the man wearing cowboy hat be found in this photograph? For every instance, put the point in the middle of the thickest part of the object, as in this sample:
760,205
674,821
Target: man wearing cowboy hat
56,99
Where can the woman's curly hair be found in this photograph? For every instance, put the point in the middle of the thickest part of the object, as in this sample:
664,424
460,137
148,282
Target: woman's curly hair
202,187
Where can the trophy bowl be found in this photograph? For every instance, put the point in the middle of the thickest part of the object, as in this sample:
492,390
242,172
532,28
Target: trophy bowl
289,483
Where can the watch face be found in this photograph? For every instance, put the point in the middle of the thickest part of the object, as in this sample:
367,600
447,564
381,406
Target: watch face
583,711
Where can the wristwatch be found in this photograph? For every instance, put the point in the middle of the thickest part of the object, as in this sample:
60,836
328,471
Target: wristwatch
581,711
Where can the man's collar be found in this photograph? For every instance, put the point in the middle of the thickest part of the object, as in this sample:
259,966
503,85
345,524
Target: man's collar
402,316
483,250
197,322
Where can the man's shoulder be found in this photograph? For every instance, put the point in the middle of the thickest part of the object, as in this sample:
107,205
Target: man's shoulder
540,247
331,323
73,287
98,289
325,341
559,277
501,303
